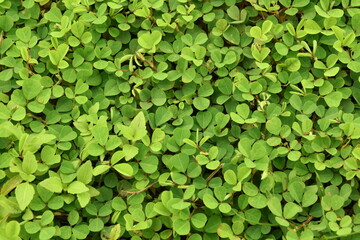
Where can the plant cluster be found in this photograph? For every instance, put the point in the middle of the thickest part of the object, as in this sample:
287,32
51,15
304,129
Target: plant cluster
179,119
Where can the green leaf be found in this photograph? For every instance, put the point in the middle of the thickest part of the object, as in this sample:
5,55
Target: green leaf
311,27
77,187
296,190
53,184
100,169
333,99
337,202
24,34
138,126
124,169
292,64
259,201
180,134
32,227
149,164
234,12
149,40
356,152
47,233
29,164
210,201
4,112
6,23
274,205
354,66
190,142
54,15
96,225
281,48
300,3
6,75
243,172
224,231
77,29
198,220
47,218
274,125
83,198
100,131
162,115
309,198
12,229
158,96
181,227
84,173
230,177
291,209
201,103
24,193
31,88
181,161
130,151
255,32
225,85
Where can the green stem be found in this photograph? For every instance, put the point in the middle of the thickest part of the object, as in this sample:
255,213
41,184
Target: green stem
251,222
335,237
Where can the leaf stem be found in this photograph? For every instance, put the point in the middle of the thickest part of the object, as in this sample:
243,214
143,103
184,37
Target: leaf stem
142,58
214,172
254,223
303,224
335,237
142,190
37,118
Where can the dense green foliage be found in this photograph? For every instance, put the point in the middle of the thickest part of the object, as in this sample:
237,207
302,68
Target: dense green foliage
179,119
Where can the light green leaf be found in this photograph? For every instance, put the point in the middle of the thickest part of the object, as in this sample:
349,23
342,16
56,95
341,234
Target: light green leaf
230,177
83,198
138,126
274,205
210,201
312,27
54,15
84,173
333,99
296,190
181,227
12,229
124,169
162,115
31,88
291,209
274,125
96,225
30,164
292,64
199,220
149,164
181,161
6,23
201,103
100,131
53,184
24,193
77,187
149,40
224,230
100,169
354,66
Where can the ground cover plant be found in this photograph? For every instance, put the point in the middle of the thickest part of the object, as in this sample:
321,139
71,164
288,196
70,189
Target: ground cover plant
179,119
